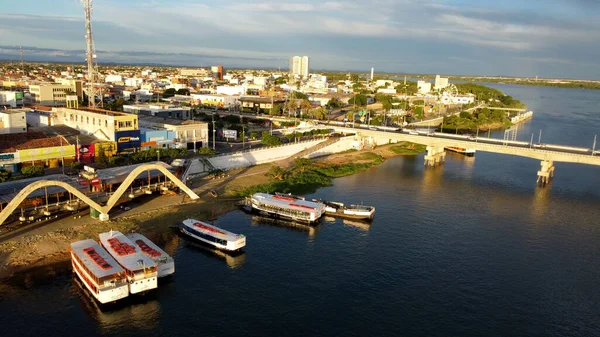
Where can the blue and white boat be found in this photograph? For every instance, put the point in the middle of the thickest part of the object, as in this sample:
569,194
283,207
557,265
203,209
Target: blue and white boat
212,235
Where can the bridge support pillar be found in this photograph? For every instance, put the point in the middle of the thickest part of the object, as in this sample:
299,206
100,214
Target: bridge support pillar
546,173
435,155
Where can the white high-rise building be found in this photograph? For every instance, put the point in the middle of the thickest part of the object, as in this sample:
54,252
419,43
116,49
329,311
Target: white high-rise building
440,82
299,65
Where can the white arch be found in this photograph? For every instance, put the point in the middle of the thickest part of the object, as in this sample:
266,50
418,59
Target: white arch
18,199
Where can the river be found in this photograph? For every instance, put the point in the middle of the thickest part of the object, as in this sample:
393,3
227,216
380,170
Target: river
471,248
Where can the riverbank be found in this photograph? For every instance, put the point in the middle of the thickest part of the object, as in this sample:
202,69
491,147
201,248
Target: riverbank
45,244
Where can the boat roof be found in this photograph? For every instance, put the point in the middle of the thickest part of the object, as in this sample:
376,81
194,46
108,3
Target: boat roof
130,261
78,248
221,233
285,201
137,236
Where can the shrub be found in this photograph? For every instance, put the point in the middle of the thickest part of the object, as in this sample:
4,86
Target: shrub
32,171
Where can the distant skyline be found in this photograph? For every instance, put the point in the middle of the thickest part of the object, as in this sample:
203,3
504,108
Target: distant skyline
547,38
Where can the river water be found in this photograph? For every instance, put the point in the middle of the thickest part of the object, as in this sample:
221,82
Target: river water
471,248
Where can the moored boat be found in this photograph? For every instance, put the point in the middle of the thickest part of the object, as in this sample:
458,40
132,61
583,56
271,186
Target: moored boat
287,206
212,235
357,212
98,271
466,152
164,262
140,269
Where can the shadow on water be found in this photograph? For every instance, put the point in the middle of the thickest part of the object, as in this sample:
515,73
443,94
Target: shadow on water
312,230
232,259
138,312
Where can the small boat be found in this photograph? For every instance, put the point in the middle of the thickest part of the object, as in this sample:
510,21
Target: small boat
140,269
98,271
466,152
213,193
212,235
164,262
357,212
287,206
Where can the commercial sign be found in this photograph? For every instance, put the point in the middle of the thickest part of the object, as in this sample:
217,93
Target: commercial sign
18,95
9,158
45,153
128,141
86,151
229,133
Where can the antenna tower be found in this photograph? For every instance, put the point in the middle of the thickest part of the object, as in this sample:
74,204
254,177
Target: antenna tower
90,56
21,51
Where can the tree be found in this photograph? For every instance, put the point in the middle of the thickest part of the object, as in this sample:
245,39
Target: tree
358,99
276,173
5,175
185,92
302,164
101,160
297,95
32,171
305,105
169,93
206,151
270,140
334,103
318,113
253,135
276,110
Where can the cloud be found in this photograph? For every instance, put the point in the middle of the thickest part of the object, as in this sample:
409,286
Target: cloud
350,33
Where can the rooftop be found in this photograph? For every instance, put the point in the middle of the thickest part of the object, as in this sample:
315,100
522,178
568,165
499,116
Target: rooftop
28,140
72,136
260,99
14,111
169,121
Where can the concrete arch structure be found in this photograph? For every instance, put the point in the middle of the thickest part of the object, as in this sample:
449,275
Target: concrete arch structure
18,199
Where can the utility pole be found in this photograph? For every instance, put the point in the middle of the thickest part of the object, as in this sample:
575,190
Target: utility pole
540,139
21,51
214,130
594,146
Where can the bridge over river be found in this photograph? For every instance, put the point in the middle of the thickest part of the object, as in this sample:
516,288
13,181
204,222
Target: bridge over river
437,142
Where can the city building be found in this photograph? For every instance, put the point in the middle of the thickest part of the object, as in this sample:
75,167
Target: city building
13,121
102,124
440,82
216,100
460,99
231,90
50,94
389,90
188,134
196,72
217,72
113,78
159,110
23,149
256,102
76,85
12,99
423,87
299,65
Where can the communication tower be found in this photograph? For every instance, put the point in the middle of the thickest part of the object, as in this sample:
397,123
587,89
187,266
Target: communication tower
91,56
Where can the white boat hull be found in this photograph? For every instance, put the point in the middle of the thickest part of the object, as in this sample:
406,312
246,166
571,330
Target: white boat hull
140,286
165,269
103,296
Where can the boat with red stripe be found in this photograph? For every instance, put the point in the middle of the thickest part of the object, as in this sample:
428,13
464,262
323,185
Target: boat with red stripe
98,271
164,262
140,269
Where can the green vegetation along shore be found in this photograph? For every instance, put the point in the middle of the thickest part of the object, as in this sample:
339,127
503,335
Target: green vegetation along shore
306,176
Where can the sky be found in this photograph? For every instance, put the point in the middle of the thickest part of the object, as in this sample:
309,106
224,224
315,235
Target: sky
546,38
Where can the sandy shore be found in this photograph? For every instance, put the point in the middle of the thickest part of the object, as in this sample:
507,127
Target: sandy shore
46,243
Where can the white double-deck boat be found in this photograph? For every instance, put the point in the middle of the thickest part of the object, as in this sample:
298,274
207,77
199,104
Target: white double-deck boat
164,262
466,152
140,270
290,207
98,271
212,235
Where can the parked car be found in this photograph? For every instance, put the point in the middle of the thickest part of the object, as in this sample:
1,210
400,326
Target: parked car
412,132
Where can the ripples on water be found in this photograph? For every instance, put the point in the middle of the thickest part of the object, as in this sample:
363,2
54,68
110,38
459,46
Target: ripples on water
472,248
